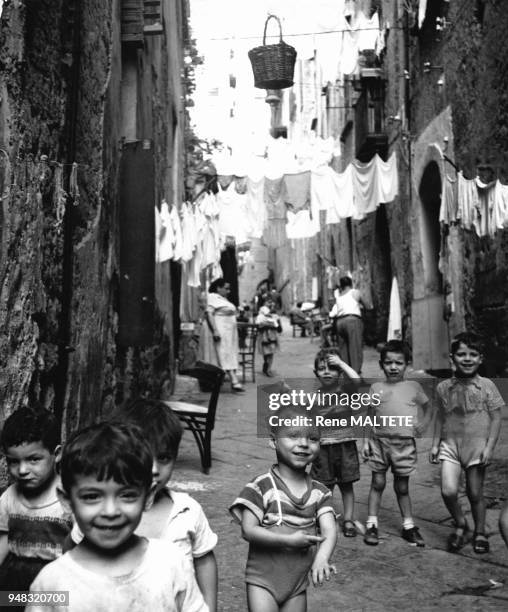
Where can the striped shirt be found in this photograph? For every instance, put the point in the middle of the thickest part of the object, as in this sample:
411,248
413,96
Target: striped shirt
274,505
34,532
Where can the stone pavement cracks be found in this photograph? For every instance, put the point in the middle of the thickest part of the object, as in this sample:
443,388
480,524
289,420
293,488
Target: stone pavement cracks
390,576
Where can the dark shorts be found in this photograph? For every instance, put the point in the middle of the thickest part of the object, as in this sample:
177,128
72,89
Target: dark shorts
337,464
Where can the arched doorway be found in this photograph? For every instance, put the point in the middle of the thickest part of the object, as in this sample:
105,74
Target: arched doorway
430,230
430,329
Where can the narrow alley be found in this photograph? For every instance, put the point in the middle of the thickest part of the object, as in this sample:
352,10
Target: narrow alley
391,576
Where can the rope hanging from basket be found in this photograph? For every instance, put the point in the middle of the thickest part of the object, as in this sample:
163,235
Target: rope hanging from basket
273,65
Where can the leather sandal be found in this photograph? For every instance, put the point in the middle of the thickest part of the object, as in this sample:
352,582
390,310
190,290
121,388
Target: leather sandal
456,541
349,529
480,544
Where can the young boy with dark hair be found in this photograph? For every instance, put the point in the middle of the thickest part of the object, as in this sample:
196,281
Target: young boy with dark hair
174,516
337,461
280,512
33,523
106,473
466,431
394,446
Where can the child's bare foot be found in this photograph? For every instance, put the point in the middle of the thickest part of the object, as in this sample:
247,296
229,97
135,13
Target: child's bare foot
459,538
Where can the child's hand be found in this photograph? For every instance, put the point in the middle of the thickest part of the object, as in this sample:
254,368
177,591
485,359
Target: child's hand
434,452
485,455
366,451
335,360
300,539
321,571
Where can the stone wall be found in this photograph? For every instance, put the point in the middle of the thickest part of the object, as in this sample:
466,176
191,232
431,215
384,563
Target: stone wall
59,273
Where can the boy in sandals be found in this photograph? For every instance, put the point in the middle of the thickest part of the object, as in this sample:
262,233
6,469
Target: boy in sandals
466,431
337,462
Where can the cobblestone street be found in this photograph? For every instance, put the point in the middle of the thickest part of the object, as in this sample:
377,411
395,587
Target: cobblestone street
391,576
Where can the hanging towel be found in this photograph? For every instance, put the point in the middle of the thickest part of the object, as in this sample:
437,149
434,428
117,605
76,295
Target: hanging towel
255,205
165,234
500,207
274,234
395,316
300,225
297,196
177,233
448,208
374,183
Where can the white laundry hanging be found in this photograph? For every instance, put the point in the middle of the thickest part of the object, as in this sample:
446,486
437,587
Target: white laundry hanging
395,316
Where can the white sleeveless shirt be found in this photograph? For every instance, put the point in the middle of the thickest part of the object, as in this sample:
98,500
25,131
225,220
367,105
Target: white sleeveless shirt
348,304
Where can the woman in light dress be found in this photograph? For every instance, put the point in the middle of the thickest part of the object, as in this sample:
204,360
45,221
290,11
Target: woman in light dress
219,335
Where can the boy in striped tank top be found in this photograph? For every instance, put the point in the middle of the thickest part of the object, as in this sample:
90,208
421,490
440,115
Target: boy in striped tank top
281,512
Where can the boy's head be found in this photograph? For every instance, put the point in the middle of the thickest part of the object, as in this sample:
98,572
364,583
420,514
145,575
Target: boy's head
163,431
106,472
394,359
295,437
327,374
30,440
345,282
466,353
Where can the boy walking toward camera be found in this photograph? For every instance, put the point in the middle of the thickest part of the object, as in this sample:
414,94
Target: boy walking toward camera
106,473
173,516
394,446
466,431
33,523
280,512
337,461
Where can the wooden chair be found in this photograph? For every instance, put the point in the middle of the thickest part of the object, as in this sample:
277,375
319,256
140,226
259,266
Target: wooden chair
200,419
247,335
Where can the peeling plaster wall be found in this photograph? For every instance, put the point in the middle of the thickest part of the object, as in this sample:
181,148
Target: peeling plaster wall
35,69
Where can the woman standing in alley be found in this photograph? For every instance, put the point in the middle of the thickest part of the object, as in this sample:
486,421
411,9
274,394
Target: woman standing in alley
347,314
219,335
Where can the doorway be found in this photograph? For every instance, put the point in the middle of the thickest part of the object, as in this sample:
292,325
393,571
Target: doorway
430,329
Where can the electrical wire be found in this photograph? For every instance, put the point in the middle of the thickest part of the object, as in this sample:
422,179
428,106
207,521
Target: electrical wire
277,36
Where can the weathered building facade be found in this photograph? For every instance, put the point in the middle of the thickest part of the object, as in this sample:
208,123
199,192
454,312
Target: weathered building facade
439,89
91,140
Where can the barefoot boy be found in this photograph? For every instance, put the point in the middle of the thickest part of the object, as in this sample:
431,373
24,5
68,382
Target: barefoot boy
466,432
280,512
106,473
394,446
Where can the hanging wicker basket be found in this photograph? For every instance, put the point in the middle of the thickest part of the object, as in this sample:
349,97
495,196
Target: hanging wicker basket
273,65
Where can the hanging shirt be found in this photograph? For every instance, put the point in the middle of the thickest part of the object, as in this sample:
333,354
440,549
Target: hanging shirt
297,195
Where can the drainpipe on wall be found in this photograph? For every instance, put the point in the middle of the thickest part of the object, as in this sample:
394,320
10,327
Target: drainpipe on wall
71,21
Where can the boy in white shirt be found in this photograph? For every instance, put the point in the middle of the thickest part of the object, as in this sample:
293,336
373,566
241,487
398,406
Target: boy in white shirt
173,516
106,473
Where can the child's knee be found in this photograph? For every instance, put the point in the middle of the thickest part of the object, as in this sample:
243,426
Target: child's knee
449,490
378,481
401,486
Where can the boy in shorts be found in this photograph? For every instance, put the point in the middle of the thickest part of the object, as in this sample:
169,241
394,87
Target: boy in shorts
394,446
337,462
106,473
280,512
466,431
33,523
